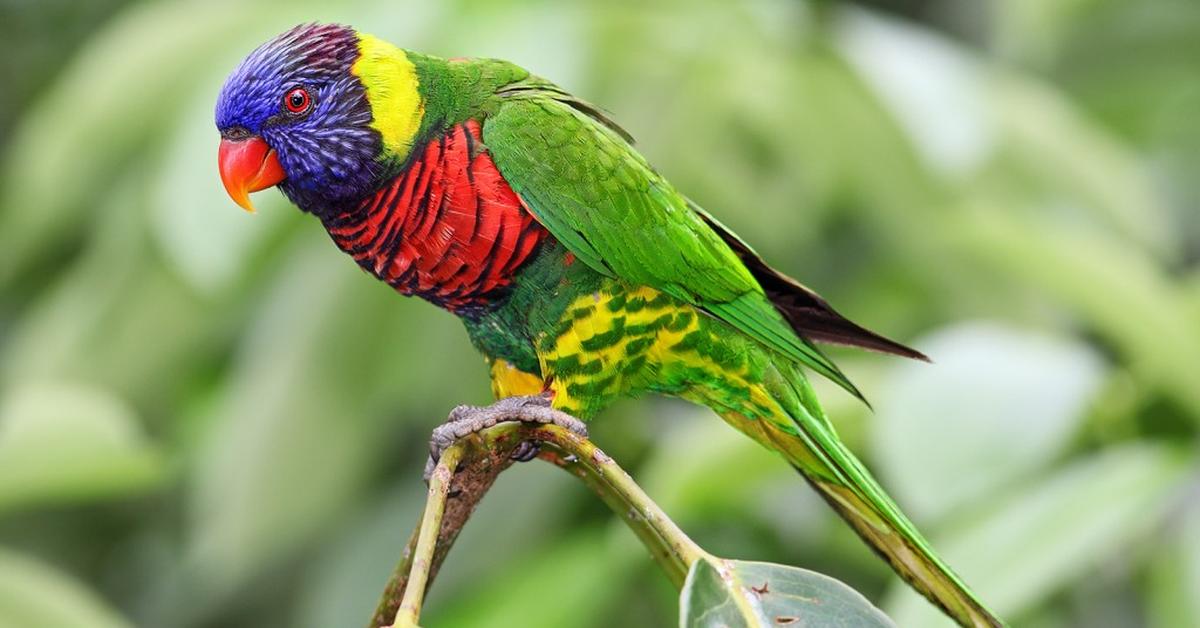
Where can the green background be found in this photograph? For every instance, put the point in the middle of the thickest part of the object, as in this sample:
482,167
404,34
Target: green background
210,418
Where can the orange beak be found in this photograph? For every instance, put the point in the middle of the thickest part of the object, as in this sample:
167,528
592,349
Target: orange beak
248,165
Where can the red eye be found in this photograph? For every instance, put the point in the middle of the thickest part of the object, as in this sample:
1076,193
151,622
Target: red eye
297,100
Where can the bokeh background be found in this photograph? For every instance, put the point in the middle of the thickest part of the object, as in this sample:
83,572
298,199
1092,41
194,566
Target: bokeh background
209,418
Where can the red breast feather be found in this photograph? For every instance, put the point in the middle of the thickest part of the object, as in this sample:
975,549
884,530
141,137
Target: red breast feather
448,228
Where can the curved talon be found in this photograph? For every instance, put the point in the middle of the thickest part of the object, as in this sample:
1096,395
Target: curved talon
465,420
525,451
460,412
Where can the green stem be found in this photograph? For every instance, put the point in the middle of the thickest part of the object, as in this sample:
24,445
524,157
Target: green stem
482,462
670,547
431,524
467,470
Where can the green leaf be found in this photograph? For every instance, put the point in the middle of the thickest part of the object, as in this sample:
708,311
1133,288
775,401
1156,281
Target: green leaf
347,573
931,84
289,416
1055,530
1076,165
64,443
686,474
1088,271
997,404
133,74
537,595
729,593
90,321
305,414
1175,575
35,594
958,113
202,233
1034,30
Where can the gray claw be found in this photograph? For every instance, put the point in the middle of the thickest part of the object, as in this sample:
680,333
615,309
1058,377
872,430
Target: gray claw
464,420
525,451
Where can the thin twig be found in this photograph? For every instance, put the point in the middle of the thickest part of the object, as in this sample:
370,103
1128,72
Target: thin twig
431,524
477,471
479,458
668,545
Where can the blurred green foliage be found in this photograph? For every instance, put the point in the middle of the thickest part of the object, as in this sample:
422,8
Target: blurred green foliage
214,419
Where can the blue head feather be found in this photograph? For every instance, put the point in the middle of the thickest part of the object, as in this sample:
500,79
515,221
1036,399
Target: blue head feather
330,152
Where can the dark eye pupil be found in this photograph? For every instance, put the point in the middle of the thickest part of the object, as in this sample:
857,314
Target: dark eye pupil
297,100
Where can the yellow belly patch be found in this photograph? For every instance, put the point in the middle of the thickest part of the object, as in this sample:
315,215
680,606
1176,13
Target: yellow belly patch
624,340
509,381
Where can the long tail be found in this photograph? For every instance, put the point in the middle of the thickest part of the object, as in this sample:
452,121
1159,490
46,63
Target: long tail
806,438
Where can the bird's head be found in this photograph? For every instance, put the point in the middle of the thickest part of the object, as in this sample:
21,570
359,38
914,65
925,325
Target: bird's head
321,111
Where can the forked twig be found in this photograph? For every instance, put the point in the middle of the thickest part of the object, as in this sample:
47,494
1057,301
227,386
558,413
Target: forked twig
466,471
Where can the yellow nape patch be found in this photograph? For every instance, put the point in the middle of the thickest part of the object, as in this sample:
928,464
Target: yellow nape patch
509,381
391,83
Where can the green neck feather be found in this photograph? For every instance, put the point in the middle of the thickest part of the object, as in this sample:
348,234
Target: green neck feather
415,96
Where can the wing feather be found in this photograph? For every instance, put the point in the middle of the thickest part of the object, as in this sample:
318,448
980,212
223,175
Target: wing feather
585,183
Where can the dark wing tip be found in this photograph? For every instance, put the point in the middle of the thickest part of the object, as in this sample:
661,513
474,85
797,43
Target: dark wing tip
808,314
837,330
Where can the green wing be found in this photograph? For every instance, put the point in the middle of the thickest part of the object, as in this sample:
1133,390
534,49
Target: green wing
599,197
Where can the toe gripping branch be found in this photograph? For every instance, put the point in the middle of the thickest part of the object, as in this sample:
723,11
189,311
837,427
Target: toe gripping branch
466,420
471,449
466,454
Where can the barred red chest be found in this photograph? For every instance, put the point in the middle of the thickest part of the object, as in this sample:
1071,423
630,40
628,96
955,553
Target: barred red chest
448,229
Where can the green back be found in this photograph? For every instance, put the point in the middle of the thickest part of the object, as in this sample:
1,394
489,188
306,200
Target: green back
600,198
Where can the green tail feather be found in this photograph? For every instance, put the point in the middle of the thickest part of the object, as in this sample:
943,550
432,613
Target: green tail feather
806,438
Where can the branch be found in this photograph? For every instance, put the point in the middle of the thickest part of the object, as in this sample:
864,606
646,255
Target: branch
488,454
480,458
670,547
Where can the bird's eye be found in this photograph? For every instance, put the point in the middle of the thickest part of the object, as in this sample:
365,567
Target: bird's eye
297,100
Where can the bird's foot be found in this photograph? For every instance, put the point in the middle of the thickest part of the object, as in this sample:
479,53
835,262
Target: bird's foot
465,420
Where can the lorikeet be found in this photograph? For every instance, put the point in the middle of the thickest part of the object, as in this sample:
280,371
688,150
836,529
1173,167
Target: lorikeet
578,270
